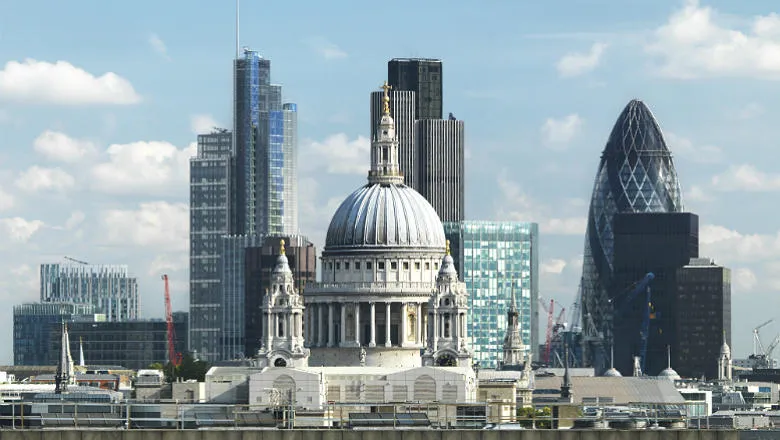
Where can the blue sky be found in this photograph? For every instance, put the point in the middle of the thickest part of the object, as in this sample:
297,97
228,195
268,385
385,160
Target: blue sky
100,102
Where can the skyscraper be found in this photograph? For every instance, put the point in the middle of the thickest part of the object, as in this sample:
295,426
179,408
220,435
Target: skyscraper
233,251
31,328
212,200
423,77
441,166
636,174
497,259
110,288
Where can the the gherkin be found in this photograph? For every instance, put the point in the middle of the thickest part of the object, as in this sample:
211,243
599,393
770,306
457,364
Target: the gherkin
636,174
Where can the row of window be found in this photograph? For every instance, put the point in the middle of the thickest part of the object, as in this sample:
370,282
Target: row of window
380,265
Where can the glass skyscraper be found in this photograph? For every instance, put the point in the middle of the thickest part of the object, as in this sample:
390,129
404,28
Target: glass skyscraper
110,288
32,323
636,174
233,293
497,258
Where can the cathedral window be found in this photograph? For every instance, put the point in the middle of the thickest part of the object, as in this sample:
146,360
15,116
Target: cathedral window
446,325
346,265
357,265
380,265
427,265
280,329
406,265
416,265
368,265
338,265
393,265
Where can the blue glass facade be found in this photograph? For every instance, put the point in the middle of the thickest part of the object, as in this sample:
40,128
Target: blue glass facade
233,271
495,259
31,328
636,174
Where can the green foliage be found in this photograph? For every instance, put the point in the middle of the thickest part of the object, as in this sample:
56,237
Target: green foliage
527,415
191,369
156,366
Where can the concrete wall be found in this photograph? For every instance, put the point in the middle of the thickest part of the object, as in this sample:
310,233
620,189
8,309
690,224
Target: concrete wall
368,435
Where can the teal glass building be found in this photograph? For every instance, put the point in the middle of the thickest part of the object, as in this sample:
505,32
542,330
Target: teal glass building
493,259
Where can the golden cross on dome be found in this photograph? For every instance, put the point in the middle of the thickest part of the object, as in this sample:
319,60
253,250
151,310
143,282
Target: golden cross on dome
448,247
281,247
386,87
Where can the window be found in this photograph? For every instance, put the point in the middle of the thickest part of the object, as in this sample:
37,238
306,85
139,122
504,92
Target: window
416,265
406,265
338,265
330,265
393,265
380,265
427,265
435,265
368,265
346,265
357,265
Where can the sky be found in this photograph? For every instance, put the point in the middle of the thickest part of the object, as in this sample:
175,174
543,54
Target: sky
100,104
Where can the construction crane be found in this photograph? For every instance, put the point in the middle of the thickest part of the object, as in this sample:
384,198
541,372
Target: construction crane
644,331
553,326
75,260
761,357
758,348
173,357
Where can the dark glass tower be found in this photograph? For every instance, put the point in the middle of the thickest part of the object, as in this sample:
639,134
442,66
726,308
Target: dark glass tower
423,77
636,174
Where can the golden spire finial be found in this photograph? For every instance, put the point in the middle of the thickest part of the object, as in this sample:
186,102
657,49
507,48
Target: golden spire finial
448,247
386,99
281,247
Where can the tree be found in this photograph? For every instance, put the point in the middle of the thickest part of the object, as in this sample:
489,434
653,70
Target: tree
156,366
527,415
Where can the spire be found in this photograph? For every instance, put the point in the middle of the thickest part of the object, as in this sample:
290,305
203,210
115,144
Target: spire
81,353
385,168
448,247
668,356
281,247
64,375
566,385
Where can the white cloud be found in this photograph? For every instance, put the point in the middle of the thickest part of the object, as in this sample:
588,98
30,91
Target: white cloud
7,200
143,167
76,218
60,147
515,205
158,45
158,225
732,246
743,280
574,64
20,230
746,178
693,44
697,194
558,132
325,48
554,265
684,147
316,209
202,124
37,178
62,83
339,154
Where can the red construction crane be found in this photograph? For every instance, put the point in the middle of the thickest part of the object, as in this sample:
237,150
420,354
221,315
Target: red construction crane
173,357
548,342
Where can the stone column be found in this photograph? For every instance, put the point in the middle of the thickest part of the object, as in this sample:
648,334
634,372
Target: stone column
388,342
435,328
331,327
455,326
320,325
372,342
343,333
403,324
357,324
269,325
418,327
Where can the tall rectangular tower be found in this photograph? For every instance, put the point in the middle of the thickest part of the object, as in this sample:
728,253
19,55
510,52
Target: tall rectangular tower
441,166
110,288
660,243
497,258
212,201
702,312
233,249
422,76
31,328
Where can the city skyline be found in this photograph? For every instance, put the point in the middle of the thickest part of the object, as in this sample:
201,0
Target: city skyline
101,173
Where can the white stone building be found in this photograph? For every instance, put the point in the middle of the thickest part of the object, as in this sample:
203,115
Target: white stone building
389,291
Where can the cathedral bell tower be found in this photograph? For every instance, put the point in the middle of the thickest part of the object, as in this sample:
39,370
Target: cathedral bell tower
514,349
282,307
447,308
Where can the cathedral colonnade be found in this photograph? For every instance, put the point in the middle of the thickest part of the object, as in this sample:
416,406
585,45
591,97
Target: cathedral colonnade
344,323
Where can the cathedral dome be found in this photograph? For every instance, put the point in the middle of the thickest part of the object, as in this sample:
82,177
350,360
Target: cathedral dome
670,374
612,372
385,215
725,350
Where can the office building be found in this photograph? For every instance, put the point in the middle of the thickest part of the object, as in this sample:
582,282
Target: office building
424,78
110,288
440,146
31,328
259,265
276,173
131,344
636,174
497,259
658,243
212,199
233,275
702,311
